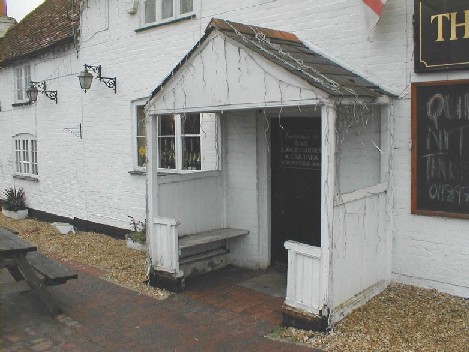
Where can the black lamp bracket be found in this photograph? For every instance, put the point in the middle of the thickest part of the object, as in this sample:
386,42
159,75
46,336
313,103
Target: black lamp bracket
41,87
110,82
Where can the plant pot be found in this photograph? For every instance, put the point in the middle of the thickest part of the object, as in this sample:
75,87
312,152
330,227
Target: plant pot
17,215
135,245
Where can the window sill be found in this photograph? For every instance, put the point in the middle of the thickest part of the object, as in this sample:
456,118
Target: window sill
27,178
161,24
138,172
25,103
175,177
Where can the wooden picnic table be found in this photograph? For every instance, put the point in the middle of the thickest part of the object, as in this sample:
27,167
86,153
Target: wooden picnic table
30,269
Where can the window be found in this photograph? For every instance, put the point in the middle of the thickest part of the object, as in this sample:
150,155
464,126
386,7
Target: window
167,142
141,137
25,146
166,10
188,142
22,79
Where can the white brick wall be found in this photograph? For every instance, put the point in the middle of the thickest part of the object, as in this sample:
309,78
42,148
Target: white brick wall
241,184
89,178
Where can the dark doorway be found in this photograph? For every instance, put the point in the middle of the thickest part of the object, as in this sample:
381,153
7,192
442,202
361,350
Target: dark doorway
296,183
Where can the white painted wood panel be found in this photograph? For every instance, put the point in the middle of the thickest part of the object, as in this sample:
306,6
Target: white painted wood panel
163,248
304,277
360,245
196,203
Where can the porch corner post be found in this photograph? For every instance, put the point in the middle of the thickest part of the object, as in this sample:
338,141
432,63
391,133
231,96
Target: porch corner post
152,184
328,178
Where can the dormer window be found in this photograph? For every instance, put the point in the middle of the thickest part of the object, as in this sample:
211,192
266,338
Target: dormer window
160,11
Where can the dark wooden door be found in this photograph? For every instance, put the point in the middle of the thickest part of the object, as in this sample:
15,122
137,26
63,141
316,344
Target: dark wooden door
296,183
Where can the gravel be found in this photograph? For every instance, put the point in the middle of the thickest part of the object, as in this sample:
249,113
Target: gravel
121,264
402,318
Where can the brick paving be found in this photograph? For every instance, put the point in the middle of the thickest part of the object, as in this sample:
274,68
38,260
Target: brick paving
214,314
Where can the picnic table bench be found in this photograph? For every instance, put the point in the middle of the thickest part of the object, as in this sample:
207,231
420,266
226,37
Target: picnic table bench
30,269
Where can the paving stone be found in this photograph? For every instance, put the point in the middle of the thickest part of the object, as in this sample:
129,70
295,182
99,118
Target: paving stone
101,316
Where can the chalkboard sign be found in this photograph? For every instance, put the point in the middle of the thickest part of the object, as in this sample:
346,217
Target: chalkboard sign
440,148
301,149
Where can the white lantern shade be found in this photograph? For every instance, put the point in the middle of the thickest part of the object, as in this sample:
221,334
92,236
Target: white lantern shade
32,92
85,78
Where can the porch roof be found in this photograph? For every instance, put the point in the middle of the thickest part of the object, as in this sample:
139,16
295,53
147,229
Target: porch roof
287,51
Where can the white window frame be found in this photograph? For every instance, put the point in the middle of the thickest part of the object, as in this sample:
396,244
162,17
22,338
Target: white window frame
25,155
179,146
177,15
22,77
135,105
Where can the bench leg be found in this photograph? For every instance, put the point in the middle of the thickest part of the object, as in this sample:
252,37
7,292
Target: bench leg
37,285
15,273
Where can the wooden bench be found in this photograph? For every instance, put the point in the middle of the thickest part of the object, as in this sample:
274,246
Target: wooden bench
176,257
191,241
54,273
205,237
30,270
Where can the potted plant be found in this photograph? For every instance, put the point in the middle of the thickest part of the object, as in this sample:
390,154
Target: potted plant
137,238
14,203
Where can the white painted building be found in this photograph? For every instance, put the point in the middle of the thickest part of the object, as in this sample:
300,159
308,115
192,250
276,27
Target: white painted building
90,164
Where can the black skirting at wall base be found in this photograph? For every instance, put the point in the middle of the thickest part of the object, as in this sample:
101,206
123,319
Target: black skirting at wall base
303,320
80,225
162,279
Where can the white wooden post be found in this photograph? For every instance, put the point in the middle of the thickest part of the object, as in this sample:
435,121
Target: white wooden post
152,182
328,170
162,233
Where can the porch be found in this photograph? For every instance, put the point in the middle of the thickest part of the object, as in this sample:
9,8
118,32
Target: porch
290,164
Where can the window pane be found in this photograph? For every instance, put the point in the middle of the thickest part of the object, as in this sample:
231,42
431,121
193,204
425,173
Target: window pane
191,153
34,157
167,152
166,9
26,156
190,124
25,150
150,11
18,155
186,6
140,121
27,76
166,125
141,151
19,83
141,137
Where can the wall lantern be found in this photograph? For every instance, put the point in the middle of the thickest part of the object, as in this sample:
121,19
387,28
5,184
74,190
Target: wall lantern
40,87
86,77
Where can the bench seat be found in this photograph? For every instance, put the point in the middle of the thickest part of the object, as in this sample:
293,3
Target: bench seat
205,237
54,273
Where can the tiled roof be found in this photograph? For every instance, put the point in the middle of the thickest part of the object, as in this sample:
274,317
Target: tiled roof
54,23
290,53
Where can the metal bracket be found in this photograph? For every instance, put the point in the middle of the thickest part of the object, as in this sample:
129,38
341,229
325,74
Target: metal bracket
41,87
110,82
76,131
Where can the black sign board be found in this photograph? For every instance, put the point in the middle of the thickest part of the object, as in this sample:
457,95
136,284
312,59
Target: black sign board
440,148
441,35
301,149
